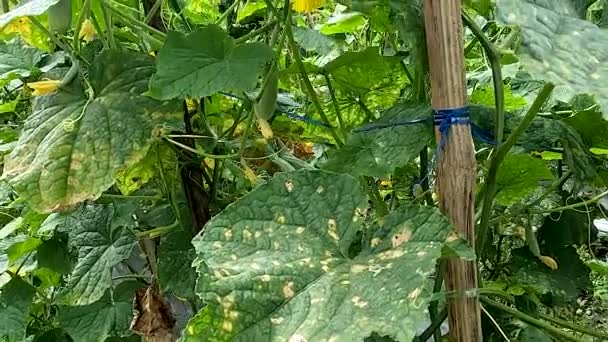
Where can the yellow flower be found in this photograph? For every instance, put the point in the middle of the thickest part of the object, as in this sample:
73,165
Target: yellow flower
249,173
44,87
265,128
191,103
87,31
550,262
304,6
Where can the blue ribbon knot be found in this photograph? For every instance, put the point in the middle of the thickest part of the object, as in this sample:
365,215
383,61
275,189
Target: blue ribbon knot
445,118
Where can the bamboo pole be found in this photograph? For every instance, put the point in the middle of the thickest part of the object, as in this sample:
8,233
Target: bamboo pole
456,163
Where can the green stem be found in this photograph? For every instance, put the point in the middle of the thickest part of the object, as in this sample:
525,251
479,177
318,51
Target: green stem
206,155
51,36
368,113
134,197
571,206
84,12
311,91
267,27
5,6
98,29
153,10
529,319
548,192
135,23
496,160
424,172
334,100
158,231
494,59
107,19
131,276
430,331
227,12
376,197
433,314
574,327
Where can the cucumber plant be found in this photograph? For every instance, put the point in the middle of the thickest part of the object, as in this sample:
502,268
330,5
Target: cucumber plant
262,170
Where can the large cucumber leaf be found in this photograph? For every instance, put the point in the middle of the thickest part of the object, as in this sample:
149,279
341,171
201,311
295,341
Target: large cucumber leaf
26,8
71,146
380,147
110,316
518,176
17,59
102,240
175,272
274,266
553,39
204,62
15,302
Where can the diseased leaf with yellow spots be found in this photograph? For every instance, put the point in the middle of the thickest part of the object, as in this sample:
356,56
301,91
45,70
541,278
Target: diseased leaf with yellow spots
285,246
71,146
24,28
553,37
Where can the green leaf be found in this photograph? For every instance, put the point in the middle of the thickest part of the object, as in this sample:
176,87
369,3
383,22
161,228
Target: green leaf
54,255
563,285
485,96
110,316
21,249
554,38
344,23
71,147
101,244
25,9
175,271
15,301
313,40
598,266
11,227
250,8
8,106
363,71
518,176
482,7
204,62
18,59
133,178
591,127
533,334
571,228
380,147
285,245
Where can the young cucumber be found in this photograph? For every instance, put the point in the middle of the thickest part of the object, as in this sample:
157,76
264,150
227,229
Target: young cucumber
266,106
60,16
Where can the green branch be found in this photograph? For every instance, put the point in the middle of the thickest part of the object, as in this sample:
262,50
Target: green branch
84,12
496,160
571,206
499,89
127,20
529,319
227,12
255,32
574,327
51,36
153,10
311,91
334,100
540,198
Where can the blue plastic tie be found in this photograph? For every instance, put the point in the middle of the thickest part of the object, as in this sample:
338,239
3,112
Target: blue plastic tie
446,118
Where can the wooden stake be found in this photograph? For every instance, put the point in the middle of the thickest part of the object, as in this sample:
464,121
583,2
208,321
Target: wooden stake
456,165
